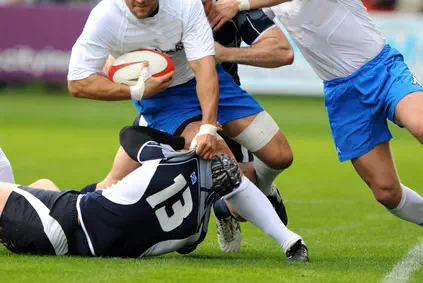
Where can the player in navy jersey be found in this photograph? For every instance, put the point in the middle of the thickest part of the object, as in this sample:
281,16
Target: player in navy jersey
161,207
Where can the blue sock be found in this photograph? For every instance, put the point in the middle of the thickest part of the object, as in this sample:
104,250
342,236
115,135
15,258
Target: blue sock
89,188
221,210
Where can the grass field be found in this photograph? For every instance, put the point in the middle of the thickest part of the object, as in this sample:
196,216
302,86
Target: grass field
351,238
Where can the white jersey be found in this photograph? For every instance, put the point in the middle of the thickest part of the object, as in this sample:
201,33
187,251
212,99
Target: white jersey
336,37
180,29
6,173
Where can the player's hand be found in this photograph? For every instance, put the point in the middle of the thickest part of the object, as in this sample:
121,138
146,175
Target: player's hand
225,10
147,86
155,85
214,16
204,142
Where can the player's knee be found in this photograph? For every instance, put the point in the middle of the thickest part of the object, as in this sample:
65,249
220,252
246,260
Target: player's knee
281,158
45,184
226,174
386,193
284,159
417,130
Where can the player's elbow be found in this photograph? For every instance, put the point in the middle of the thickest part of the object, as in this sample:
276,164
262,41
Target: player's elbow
285,55
75,88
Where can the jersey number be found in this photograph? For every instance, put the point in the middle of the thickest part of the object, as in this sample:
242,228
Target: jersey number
179,211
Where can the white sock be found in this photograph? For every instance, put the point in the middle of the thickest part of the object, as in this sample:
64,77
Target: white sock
253,206
410,207
6,173
265,176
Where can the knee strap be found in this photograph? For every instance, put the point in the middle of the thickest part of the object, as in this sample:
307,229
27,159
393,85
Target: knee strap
258,133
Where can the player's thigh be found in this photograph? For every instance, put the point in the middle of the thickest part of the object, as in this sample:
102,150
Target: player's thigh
122,166
261,135
377,169
409,113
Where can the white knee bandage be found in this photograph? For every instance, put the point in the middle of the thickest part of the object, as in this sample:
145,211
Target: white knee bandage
258,133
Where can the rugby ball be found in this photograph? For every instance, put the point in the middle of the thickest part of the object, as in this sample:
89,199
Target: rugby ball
126,68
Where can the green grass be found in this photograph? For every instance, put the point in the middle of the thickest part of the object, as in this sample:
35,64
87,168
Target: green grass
351,238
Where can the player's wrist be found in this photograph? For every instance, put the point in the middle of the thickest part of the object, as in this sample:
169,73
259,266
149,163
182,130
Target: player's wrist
137,91
207,129
243,5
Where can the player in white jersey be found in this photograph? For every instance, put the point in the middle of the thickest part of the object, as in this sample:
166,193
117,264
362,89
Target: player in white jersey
177,28
180,29
6,172
366,82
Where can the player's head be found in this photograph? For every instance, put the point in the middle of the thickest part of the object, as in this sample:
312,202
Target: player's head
142,8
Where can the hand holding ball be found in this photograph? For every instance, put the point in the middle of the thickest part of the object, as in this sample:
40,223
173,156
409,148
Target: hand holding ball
135,68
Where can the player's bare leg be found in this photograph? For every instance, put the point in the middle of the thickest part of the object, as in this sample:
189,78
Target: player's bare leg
122,166
377,169
409,113
45,184
260,134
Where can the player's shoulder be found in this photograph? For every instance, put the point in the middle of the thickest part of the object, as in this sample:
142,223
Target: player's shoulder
180,6
105,13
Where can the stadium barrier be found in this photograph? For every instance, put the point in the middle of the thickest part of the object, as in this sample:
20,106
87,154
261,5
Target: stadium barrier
37,41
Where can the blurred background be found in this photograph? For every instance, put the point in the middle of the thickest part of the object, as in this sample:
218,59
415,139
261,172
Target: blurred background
37,37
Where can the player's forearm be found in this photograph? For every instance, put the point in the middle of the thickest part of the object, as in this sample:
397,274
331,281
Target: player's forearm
208,95
269,53
207,87
98,88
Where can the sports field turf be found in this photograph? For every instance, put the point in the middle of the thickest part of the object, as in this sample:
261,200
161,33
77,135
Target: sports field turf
351,238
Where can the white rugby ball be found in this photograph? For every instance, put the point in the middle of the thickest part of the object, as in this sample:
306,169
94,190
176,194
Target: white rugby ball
126,68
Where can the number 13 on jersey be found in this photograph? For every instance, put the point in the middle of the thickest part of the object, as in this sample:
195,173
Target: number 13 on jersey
180,212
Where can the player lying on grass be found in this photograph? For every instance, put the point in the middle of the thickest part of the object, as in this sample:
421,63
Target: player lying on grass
366,82
161,207
6,172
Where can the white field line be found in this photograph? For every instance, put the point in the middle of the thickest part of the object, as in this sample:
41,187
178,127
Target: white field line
408,265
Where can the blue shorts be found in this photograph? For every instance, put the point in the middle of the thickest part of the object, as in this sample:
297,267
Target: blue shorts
167,110
358,106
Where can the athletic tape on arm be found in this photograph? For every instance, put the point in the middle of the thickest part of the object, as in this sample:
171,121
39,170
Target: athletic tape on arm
205,129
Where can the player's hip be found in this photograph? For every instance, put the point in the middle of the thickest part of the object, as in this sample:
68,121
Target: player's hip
378,86
41,222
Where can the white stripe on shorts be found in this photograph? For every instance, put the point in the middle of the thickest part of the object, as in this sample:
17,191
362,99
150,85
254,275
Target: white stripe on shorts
52,228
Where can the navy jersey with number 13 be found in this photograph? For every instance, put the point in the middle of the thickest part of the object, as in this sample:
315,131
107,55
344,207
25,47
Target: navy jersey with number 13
161,207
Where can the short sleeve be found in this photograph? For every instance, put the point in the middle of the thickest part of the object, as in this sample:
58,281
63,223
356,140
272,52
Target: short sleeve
197,34
91,49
